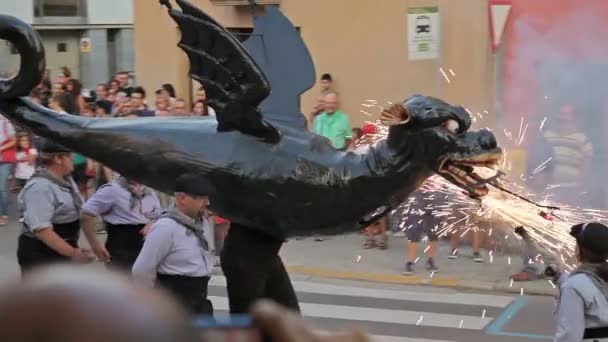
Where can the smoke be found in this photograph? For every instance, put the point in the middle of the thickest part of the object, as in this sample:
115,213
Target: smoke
559,55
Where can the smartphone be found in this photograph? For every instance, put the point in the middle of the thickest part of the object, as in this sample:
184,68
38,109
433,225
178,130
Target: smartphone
235,328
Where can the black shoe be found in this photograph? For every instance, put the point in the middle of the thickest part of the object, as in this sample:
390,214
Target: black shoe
409,268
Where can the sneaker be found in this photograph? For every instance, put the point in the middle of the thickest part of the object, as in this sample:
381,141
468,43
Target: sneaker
477,257
430,265
409,268
454,254
524,276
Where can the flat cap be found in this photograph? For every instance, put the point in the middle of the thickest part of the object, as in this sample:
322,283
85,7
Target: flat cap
592,236
194,184
52,147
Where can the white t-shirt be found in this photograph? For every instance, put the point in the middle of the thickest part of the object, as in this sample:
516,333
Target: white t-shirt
23,169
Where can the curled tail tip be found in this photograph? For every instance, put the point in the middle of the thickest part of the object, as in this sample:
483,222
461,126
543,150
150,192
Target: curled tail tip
31,51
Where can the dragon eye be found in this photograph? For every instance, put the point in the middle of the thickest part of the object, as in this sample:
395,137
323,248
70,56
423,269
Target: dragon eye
451,125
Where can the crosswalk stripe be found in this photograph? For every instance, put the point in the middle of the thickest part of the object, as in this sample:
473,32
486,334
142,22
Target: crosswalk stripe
354,313
382,338
429,297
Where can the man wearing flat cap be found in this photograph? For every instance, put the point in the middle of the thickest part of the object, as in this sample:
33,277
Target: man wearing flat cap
176,255
50,206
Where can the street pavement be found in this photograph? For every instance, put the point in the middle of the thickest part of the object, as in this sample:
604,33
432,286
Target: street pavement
341,286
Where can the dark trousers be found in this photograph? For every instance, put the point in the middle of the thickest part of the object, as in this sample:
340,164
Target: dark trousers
190,291
253,269
124,243
32,252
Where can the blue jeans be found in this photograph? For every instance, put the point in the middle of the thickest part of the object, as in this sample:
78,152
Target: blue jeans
5,172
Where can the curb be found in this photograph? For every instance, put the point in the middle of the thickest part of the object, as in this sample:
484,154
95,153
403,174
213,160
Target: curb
437,281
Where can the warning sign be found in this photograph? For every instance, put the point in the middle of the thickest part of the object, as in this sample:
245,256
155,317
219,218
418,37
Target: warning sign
85,44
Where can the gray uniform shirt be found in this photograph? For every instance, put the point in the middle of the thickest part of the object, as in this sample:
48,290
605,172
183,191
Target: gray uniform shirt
43,203
581,305
172,249
113,203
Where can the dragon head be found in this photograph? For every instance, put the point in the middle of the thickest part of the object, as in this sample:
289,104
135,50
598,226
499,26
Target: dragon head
439,134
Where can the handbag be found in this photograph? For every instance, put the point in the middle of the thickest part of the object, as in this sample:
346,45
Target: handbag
9,155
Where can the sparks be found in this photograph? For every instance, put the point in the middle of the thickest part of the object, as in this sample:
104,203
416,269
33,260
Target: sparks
444,75
511,284
483,314
521,291
452,72
358,259
542,123
419,320
552,284
461,323
366,113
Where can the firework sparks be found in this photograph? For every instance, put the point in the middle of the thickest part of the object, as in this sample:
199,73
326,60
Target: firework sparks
419,320
521,291
358,259
552,284
500,212
542,123
511,284
452,72
366,113
461,323
483,314
444,75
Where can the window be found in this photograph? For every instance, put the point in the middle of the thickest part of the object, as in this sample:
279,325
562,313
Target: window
62,47
241,33
59,8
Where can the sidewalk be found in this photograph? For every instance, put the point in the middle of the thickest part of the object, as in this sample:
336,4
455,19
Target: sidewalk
343,257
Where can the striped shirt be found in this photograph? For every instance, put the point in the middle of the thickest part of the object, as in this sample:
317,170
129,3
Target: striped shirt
570,152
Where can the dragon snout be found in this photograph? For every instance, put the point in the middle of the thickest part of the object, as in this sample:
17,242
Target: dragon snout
486,140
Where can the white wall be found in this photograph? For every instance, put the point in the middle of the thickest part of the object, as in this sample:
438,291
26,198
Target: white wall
22,9
107,11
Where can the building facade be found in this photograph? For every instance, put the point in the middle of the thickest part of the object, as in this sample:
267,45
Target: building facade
366,45
93,38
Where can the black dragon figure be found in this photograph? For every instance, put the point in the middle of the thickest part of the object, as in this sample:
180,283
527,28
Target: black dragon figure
271,173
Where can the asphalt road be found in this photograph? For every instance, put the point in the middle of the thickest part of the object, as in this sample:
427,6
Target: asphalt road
389,312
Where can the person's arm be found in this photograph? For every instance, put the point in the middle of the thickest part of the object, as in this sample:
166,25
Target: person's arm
348,132
32,156
10,143
38,216
99,204
570,317
156,247
12,140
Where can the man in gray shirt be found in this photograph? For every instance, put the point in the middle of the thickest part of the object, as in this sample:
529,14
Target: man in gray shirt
128,210
176,254
50,206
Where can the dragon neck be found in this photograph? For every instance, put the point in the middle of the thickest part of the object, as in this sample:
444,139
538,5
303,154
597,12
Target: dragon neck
396,166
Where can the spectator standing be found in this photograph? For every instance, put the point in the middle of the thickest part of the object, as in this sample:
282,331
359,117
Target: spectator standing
9,156
333,123
180,108
138,98
200,106
26,160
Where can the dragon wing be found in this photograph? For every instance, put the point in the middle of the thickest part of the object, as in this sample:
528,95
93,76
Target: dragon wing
234,83
279,50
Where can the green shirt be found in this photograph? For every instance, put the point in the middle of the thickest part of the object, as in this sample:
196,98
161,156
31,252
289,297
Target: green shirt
335,127
78,159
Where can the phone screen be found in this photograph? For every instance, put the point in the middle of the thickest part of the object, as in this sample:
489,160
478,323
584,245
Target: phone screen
236,328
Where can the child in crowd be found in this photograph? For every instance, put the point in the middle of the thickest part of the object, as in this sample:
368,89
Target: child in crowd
26,160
